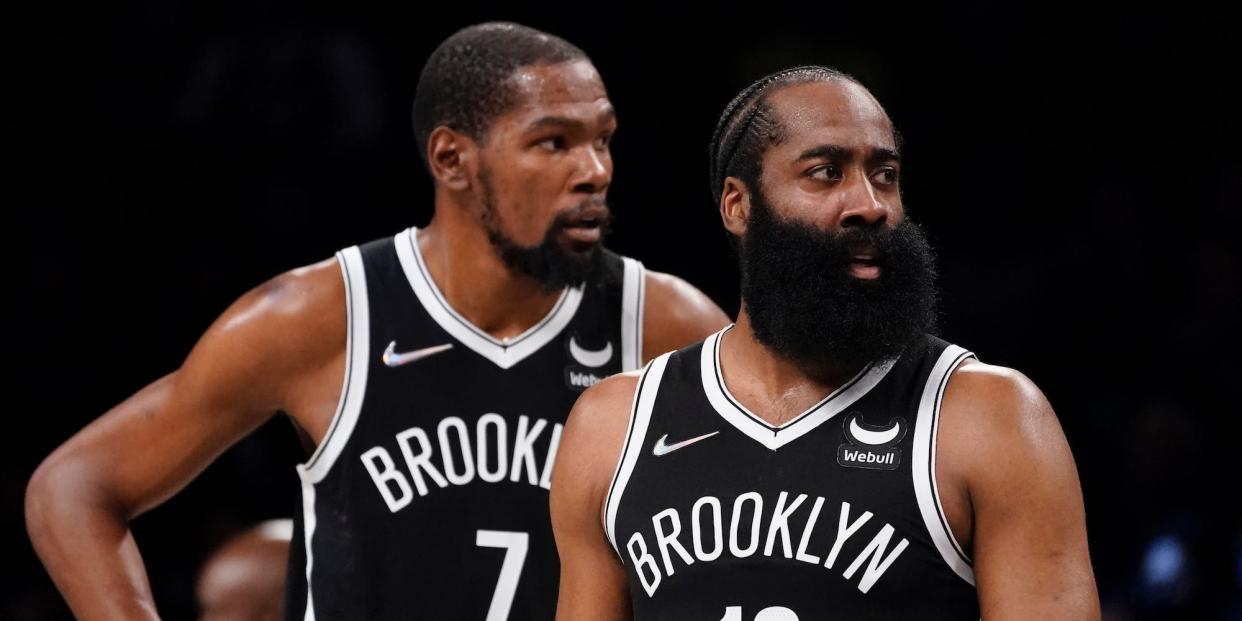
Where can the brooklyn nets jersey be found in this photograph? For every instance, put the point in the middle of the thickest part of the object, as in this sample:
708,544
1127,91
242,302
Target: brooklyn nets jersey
720,516
428,496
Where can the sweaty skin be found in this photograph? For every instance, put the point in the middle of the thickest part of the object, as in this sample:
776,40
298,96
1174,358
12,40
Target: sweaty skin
1005,473
281,346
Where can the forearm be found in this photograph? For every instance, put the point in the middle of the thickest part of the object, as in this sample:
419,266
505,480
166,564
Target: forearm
87,547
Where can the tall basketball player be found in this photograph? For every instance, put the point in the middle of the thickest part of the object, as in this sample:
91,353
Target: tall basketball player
433,369
824,458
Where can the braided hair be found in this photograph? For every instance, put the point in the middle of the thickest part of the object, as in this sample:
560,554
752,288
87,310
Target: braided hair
748,125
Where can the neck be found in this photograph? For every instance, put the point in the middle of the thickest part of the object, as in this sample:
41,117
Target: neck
474,279
774,387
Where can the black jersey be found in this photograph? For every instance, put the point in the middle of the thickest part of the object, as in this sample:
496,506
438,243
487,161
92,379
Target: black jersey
719,516
428,496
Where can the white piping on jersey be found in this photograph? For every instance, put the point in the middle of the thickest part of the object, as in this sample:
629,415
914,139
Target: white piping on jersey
640,418
923,464
633,287
504,353
308,530
357,359
353,387
777,436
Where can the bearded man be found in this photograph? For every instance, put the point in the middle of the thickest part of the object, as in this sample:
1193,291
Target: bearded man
825,457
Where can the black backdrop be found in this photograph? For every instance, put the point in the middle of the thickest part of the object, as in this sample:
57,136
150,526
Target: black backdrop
1077,169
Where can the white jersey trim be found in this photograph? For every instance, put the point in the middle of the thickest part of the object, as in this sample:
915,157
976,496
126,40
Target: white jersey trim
308,530
353,387
923,464
776,436
504,354
640,418
357,355
633,287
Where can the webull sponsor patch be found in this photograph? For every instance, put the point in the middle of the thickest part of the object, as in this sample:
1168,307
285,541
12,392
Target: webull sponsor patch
869,446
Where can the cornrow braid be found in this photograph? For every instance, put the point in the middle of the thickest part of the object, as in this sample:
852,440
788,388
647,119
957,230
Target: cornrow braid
747,125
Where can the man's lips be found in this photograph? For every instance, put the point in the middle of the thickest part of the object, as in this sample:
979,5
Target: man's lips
583,234
586,217
585,225
863,265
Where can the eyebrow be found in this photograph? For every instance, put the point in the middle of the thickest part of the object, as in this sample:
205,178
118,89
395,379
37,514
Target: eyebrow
568,123
833,151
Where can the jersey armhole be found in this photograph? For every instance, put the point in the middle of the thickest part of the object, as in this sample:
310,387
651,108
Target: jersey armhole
357,354
640,418
923,464
353,387
633,287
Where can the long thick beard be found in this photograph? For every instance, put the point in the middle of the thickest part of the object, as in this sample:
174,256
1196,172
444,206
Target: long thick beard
804,304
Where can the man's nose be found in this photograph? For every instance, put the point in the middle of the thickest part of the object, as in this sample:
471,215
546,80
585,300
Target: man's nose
594,171
862,205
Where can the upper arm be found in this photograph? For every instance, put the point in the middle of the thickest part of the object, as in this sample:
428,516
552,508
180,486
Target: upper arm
676,314
237,375
1001,442
593,582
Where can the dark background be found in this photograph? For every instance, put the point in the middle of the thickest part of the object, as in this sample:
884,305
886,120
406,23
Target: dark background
1078,170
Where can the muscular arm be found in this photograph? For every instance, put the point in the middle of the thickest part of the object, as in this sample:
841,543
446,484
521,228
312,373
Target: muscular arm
245,367
1012,489
593,582
676,314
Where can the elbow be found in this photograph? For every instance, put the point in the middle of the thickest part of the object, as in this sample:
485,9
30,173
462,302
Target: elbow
41,505
60,491
41,501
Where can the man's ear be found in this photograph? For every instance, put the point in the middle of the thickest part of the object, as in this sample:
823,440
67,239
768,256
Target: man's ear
735,206
452,157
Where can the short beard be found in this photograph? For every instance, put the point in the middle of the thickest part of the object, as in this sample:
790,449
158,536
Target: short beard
804,304
553,267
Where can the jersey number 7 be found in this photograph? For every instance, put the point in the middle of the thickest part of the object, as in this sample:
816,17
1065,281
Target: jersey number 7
515,545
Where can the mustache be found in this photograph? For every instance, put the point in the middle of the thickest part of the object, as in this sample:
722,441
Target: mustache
875,239
593,210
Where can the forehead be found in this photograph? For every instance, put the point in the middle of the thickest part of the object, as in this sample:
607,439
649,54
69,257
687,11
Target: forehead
572,89
837,112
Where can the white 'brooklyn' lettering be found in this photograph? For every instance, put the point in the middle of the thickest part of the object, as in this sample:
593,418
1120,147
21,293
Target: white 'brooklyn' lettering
457,454
660,555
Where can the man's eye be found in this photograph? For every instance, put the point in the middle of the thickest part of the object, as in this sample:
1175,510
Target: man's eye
886,176
827,172
555,143
603,141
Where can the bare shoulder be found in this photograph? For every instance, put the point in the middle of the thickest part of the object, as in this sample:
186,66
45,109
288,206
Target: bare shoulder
265,346
996,399
998,429
604,407
299,311
313,293
676,314
1004,461
594,436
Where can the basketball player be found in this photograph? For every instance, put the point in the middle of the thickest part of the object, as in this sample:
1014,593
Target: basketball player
433,369
824,458
244,579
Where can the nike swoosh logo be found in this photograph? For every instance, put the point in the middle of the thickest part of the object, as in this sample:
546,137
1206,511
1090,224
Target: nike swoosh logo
394,359
661,448
588,358
874,437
